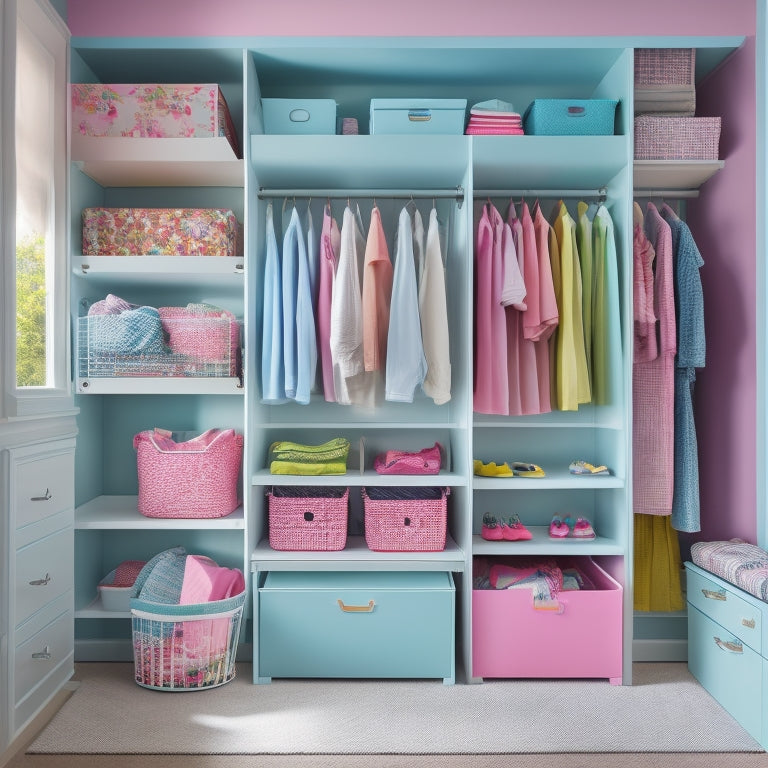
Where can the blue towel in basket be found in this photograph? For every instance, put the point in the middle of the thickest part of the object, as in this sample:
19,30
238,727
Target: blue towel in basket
161,579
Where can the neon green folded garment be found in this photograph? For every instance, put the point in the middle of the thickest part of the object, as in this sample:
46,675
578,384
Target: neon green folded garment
287,458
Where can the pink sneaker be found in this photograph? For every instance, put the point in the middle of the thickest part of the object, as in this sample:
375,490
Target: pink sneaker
513,530
583,529
491,530
558,529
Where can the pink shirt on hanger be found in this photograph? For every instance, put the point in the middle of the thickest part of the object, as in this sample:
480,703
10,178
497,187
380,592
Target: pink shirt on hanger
330,241
377,295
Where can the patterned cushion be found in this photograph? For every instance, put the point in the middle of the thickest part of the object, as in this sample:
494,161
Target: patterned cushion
736,561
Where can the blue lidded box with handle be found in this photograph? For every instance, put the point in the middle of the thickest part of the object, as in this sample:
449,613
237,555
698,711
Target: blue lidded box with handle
570,117
302,116
418,116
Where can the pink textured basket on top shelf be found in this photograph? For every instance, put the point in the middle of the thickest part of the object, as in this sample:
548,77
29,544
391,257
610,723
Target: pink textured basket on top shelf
197,478
405,519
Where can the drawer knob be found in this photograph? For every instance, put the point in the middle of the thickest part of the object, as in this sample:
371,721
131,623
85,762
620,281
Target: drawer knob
714,594
357,608
42,498
732,646
748,623
40,582
44,654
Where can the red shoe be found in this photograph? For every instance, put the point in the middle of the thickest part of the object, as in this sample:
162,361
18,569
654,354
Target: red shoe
513,530
491,530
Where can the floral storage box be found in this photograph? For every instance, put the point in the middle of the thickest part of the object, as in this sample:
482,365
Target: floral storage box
160,231
152,110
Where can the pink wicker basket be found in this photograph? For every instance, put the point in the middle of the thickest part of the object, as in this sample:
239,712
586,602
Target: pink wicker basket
665,81
677,138
305,519
197,478
402,523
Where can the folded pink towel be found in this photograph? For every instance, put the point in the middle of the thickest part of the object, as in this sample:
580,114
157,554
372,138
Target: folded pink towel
205,581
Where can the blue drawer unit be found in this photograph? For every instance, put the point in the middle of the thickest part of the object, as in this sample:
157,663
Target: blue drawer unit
726,652
357,624
417,116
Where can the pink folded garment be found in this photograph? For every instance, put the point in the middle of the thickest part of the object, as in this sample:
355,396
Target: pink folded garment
205,581
473,131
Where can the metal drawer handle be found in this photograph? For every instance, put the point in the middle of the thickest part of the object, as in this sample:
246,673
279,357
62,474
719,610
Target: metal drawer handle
40,582
42,498
44,654
713,594
748,623
733,646
356,608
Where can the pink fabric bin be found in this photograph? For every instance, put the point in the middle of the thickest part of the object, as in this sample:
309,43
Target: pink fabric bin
152,110
512,639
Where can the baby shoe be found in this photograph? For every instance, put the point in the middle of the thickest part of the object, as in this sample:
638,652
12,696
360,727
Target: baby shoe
513,530
582,529
491,530
558,529
581,467
526,469
492,469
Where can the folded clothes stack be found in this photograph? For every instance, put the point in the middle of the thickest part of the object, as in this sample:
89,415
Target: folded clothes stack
494,117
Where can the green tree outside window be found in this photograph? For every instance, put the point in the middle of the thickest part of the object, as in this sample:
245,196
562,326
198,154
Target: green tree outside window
30,312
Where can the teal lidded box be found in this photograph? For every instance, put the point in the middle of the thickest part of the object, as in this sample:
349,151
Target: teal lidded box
417,116
570,117
291,116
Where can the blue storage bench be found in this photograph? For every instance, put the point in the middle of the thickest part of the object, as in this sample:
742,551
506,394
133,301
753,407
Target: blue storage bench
728,648
356,624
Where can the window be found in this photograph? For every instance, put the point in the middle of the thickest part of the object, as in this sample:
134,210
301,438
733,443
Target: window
34,210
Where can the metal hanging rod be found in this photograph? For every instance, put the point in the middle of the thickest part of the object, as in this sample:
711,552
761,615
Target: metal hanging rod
457,193
600,193
673,193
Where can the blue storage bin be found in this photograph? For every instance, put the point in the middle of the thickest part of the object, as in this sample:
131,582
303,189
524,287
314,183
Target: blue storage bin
417,116
305,116
570,117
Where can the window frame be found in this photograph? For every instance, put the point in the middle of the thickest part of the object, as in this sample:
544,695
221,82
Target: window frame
49,29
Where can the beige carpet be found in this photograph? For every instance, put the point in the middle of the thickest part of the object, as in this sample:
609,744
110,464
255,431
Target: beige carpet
666,710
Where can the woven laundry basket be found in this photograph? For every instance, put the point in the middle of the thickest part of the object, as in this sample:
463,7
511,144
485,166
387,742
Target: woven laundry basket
665,81
305,518
677,138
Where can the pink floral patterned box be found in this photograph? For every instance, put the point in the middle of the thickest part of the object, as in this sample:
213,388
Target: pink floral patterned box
152,110
160,231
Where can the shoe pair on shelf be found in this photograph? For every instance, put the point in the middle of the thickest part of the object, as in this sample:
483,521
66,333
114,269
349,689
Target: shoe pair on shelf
504,529
566,528
518,469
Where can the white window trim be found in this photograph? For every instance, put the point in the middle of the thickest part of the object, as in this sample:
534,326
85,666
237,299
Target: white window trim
27,402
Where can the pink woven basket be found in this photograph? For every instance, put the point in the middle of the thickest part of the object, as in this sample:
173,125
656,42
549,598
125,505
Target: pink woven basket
301,520
677,138
665,66
192,479
406,524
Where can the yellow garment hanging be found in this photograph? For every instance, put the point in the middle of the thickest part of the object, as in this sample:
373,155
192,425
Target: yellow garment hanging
657,565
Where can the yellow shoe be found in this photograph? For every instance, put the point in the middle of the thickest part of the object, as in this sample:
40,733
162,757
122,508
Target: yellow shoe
492,469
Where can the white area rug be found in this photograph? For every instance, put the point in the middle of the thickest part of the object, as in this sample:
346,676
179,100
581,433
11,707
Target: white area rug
665,710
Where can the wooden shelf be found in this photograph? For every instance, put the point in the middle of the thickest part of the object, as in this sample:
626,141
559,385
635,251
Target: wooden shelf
160,385
541,544
561,479
660,175
356,478
178,271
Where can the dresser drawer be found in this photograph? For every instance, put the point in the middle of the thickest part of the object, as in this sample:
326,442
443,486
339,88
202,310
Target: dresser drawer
41,649
43,485
728,668
44,572
727,605
357,625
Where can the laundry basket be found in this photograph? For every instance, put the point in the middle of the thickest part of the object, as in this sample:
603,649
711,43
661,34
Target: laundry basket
185,647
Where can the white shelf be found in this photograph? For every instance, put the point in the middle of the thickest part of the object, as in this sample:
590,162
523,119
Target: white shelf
95,610
178,271
660,175
121,512
553,480
160,385
357,557
148,162
541,544
356,478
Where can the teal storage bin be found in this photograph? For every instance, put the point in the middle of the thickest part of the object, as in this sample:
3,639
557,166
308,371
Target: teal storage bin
418,116
299,116
570,117
356,625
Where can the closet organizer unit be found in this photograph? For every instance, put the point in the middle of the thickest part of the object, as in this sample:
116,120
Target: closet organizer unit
118,172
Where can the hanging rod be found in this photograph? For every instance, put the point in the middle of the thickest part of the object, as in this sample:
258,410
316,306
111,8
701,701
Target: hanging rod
399,194
665,193
601,193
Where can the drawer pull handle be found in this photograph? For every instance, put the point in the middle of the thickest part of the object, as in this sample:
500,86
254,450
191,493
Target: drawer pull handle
42,498
40,582
714,594
44,654
357,608
419,115
732,646
748,623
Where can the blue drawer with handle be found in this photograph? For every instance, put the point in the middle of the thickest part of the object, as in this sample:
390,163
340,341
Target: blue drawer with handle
299,116
417,116
356,624
570,117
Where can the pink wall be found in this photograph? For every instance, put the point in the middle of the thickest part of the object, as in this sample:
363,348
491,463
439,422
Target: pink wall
180,18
